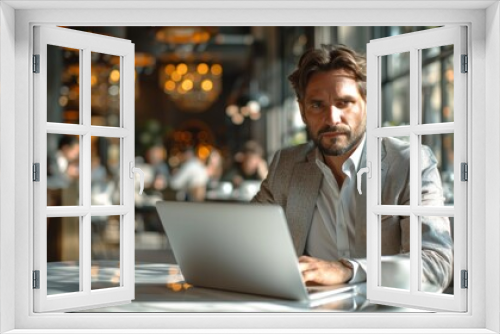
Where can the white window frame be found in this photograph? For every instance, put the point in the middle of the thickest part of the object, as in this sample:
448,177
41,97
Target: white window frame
413,44
483,20
86,43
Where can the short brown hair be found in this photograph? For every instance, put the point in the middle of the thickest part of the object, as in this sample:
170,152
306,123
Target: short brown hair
252,147
327,58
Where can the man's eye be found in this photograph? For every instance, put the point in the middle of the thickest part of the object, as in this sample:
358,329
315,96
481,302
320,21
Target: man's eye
315,105
344,103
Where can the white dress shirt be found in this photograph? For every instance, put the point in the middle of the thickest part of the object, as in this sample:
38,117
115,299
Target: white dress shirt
332,233
191,174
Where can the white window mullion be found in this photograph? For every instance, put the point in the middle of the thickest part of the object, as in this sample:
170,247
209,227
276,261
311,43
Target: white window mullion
85,180
66,211
392,131
433,129
108,131
67,129
414,170
422,130
108,210
406,210
85,265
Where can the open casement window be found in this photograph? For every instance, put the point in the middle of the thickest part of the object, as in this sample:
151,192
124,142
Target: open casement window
417,103
83,154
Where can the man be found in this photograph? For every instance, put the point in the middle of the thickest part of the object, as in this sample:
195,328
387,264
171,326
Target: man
315,183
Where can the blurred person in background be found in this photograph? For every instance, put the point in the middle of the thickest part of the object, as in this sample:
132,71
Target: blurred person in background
191,178
156,158
315,183
215,168
250,165
63,167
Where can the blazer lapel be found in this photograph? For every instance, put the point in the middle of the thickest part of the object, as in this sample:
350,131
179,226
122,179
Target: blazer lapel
304,188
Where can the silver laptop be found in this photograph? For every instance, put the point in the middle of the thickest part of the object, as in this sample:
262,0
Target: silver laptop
238,247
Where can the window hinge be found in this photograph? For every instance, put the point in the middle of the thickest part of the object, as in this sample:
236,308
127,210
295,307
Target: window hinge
36,63
465,64
36,172
464,171
465,279
36,279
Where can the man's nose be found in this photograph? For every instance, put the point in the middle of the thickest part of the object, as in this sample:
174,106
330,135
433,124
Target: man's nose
335,114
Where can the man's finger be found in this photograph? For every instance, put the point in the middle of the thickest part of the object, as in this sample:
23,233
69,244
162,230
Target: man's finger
303,266
309,275
305,258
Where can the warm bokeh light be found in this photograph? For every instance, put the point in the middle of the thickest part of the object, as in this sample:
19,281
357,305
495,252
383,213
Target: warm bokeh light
254,106
176,76
63,101
203,152
231,110
93,80
202,68
187,85
207,85
169,85
114,76
245,111
196,87
216,69
205,36
255,116
169,69
182,68
237,119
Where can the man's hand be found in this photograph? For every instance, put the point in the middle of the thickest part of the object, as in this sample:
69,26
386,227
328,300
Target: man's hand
322,272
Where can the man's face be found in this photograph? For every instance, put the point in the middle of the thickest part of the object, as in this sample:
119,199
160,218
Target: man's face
71,152
334,112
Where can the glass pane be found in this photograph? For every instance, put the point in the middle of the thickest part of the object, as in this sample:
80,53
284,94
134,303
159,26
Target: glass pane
63,170
105,89
105,249
63,85
390,191
437,85
437,170
395,89
437,277
105,157
395,262
63,255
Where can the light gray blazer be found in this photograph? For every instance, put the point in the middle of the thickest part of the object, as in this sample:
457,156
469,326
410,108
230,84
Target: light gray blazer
294,181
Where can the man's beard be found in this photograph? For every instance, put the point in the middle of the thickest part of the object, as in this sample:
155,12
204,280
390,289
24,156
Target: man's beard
332,148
